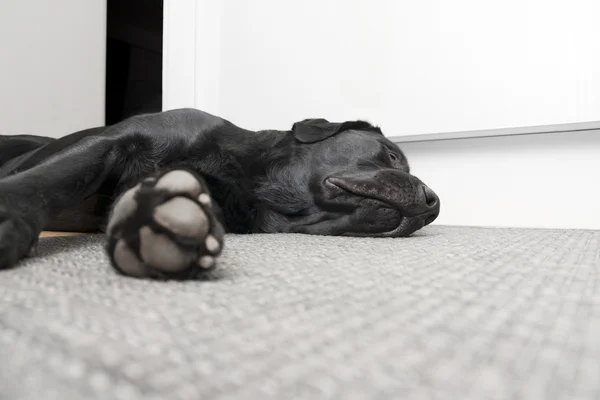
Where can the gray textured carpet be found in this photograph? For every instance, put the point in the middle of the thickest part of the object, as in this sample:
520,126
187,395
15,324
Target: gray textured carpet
462,313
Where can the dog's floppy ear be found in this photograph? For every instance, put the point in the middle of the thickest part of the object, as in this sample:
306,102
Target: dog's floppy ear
316,129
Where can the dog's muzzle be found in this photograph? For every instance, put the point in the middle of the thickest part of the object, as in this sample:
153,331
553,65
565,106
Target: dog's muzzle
418,204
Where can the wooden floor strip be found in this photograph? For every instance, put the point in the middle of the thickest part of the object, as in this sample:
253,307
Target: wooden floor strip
51,233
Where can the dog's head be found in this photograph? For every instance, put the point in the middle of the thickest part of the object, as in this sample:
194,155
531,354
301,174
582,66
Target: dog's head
344,179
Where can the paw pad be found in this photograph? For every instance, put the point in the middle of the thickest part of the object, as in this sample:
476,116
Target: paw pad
165,228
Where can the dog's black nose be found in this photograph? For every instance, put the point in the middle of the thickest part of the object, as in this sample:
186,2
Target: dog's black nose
430,197
433,206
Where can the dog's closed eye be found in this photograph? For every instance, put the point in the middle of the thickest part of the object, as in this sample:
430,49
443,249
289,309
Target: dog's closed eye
397,161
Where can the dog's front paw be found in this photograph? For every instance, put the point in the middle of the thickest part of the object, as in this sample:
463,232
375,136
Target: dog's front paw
17,236
165,228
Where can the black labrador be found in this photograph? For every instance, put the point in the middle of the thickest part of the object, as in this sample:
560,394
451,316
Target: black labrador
167,186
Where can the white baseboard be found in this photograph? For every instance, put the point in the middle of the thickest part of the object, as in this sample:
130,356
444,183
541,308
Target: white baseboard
523,130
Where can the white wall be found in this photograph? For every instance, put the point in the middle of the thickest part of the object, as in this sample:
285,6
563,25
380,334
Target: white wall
52,68
540,181
411,66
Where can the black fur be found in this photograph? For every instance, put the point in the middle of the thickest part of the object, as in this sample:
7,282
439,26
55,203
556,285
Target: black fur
318,178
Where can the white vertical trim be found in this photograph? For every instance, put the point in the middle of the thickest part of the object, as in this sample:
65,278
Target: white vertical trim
192,54
209,17
179,54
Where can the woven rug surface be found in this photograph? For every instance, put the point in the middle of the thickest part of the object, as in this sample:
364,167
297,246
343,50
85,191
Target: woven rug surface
450,313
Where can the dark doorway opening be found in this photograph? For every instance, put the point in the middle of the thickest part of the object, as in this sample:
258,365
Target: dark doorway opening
133,58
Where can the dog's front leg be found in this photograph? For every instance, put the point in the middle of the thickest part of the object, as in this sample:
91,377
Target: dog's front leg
166,227
29,198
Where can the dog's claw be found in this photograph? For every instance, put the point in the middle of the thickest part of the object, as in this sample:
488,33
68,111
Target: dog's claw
165,228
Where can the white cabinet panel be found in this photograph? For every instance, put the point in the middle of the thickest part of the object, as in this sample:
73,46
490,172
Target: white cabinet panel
412,67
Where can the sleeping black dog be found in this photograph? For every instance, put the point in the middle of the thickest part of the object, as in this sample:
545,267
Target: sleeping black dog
167,186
